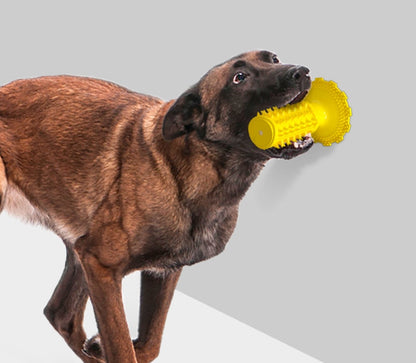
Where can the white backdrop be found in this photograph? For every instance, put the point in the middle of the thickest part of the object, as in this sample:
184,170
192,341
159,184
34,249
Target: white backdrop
323,254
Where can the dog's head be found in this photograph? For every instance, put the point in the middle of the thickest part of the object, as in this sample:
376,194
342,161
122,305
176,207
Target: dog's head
220,106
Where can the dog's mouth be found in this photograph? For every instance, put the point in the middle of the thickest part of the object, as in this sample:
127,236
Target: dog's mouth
299,97
297,147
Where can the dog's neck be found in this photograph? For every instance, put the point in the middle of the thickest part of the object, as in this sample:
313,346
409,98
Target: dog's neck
229,173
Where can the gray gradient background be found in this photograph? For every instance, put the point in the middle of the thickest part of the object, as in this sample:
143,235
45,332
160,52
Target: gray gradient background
323,254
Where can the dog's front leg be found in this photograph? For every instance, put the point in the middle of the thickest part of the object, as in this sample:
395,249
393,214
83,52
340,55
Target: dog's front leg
105,290
156,295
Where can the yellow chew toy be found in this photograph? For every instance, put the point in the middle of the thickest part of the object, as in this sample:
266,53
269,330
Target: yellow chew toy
324,113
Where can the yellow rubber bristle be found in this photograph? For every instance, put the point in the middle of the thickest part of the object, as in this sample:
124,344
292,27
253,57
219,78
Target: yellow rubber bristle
279,127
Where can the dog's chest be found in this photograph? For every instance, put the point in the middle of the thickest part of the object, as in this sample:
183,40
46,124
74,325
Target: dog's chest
204,237
213,221
209,234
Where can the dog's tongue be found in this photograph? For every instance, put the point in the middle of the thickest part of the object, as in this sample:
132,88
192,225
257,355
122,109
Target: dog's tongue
298,98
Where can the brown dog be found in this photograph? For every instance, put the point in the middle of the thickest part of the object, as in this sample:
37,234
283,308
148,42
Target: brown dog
133,183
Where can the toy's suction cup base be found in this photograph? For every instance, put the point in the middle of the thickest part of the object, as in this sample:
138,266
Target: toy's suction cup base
331,108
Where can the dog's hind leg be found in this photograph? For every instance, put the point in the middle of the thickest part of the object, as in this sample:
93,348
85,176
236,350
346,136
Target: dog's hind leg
65,309
3,183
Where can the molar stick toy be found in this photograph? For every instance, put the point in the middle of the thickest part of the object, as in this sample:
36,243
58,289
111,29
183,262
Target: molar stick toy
324,113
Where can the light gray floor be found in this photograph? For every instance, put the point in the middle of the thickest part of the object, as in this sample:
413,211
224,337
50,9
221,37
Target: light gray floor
194,331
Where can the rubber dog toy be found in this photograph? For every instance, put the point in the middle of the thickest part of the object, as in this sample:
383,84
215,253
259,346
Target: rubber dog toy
324,113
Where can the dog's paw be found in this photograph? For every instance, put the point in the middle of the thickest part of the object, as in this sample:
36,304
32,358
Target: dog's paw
93,348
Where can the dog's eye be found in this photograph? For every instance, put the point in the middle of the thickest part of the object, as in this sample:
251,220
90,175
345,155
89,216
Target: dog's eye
275,59
239,77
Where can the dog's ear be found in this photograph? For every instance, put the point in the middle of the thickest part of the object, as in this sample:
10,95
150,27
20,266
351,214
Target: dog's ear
184,116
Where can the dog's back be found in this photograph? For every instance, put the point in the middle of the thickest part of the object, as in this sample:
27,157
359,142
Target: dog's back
74,125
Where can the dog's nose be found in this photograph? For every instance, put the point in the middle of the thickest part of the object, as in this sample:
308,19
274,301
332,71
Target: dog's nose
296,73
